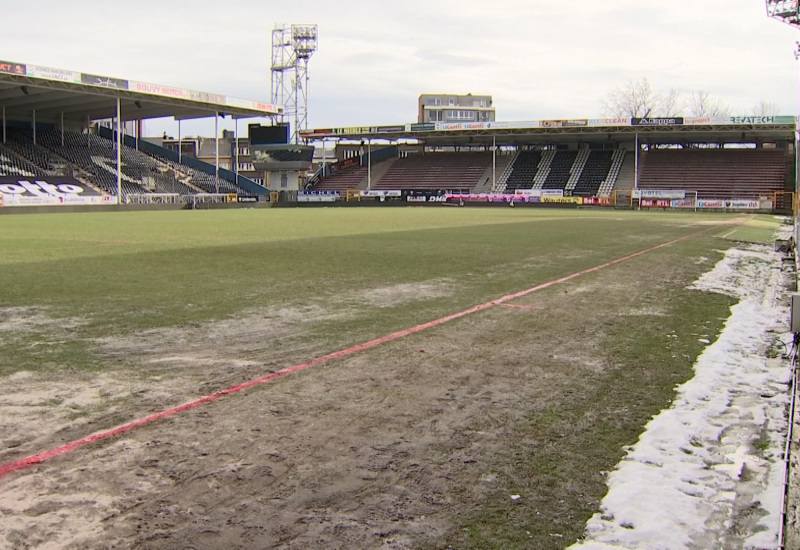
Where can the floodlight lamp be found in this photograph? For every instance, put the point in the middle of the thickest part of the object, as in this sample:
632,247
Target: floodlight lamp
786,10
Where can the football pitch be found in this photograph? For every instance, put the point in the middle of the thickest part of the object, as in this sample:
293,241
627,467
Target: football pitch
416,441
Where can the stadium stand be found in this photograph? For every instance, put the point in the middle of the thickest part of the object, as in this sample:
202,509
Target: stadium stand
543,169
92,155
436,171
559,170
523,170
44,161
348,178
715,173
595,171
502,170
505,172
610,182
577,169
199,174
206,183
93,158
12,164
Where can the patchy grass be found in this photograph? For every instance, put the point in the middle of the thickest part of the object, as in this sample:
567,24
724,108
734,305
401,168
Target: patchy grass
573,380
759,229
557,452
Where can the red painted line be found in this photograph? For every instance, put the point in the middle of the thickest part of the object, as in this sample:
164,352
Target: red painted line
99,436
520,306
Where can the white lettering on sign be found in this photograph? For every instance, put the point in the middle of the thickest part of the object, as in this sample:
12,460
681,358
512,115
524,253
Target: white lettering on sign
753,119
40,188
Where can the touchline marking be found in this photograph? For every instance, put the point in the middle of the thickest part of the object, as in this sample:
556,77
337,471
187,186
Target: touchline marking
520,306
106,434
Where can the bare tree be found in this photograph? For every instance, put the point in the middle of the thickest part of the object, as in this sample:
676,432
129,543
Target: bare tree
638,99
670,103
633,100
764,108
702,104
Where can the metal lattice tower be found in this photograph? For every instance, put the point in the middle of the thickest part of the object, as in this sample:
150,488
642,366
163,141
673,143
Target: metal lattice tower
292,47
787,11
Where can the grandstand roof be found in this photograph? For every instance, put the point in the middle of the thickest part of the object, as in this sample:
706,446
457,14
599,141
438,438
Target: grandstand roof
541,132
51,92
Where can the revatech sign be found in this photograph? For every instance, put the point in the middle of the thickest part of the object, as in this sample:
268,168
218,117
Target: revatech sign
753,119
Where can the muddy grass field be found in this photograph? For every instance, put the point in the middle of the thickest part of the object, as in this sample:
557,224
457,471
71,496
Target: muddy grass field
494,430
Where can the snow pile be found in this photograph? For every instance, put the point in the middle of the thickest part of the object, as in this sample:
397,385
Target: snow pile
708,472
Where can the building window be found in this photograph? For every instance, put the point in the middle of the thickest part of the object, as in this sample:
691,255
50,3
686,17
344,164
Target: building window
461,115
437,101
284,181
451,101
436,116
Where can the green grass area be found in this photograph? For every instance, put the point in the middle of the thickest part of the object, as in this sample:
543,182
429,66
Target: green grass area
120,273
584,371
759,229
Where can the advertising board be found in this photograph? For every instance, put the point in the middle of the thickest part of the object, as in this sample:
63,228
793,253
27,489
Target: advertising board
49,190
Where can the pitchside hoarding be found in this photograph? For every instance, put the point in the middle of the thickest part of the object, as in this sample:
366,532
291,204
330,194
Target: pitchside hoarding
658,194
49,190
733,204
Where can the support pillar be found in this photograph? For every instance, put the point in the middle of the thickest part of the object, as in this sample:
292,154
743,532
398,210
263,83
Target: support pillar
216,151
494,163
236,149
636,161
119,156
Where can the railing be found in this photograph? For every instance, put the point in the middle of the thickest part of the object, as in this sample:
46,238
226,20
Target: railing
157,151
154,198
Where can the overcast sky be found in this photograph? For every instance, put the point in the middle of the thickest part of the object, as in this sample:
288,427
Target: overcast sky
554,59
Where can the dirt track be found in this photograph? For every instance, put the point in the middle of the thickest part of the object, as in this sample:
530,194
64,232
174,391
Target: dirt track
357,454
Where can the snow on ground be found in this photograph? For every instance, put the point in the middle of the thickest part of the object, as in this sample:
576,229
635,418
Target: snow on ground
708,472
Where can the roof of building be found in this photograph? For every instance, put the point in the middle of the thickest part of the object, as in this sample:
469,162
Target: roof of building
654,130
55,92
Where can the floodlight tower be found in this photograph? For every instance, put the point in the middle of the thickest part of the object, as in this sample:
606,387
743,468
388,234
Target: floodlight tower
292,48
787,11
